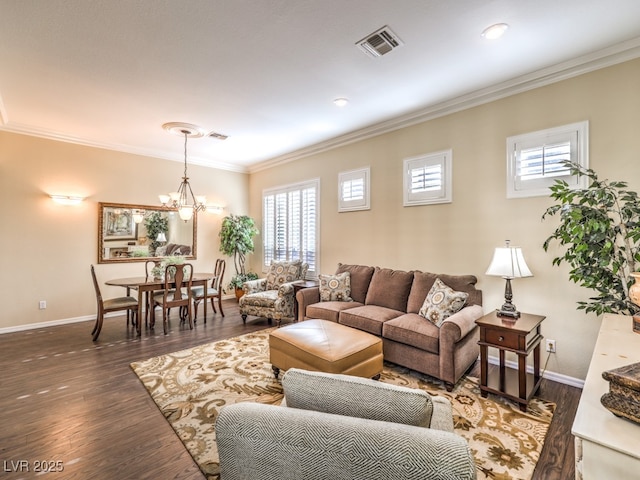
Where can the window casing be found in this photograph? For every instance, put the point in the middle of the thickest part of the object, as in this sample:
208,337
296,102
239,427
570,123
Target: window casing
427,179
534,160
353,190
290,227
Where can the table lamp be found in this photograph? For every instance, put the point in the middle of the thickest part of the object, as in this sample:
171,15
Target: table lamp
508,263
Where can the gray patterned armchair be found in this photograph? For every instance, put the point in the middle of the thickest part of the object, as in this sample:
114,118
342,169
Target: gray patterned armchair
338,427
272,297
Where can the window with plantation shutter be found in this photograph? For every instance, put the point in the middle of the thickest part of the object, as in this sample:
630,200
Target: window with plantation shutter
353,190
290,224
535,160
427,179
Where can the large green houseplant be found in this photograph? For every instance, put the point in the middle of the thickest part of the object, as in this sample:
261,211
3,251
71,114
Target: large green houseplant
236,240
155,223
600,230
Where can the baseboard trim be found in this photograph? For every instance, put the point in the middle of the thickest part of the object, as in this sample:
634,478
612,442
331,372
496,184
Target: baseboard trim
51,323
553,376
67,321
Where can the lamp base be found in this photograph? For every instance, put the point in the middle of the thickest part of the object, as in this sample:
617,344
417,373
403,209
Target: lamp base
508,310
512,315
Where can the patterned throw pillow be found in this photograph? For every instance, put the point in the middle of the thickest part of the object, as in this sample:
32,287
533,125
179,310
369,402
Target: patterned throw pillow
442,302
283,272
335,288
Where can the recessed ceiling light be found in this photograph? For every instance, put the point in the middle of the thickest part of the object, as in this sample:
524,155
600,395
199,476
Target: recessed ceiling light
495,31
341,102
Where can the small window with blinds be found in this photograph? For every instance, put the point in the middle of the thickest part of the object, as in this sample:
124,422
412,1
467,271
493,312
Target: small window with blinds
353,190
536,160
290,224
427,179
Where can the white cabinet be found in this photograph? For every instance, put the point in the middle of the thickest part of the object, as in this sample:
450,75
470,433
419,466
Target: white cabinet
607,446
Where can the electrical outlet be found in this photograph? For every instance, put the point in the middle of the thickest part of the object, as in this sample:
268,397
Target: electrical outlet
42,304
551,346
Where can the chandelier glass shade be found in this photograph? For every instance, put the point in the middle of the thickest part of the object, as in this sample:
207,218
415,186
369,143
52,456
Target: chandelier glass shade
184,199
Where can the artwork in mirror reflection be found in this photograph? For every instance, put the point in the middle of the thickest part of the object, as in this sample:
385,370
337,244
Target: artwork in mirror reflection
135,233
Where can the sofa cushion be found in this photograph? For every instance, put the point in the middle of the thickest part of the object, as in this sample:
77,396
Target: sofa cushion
329,310
423,281
335,287
389,288
360,280
283,272
344,395
368,318
411,329
442,302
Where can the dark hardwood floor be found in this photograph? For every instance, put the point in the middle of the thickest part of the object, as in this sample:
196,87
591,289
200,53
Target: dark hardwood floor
64,398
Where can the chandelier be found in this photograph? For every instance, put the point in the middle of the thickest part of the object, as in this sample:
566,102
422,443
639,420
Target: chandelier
183,199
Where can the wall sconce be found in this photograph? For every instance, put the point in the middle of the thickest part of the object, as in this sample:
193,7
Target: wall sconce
67,200
214,209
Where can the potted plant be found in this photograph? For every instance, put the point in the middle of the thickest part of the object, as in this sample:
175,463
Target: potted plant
155,223
236,239
600,228
159,269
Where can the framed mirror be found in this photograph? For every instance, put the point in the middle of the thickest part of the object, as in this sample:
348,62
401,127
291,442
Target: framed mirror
136,233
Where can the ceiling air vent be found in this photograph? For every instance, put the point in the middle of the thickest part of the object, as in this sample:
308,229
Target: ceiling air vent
218,136
380,43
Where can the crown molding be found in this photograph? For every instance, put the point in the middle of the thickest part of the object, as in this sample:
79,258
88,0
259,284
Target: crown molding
607,57
600,59
51,135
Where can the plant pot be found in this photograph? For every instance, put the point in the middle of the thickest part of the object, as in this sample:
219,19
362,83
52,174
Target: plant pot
239,293
634,296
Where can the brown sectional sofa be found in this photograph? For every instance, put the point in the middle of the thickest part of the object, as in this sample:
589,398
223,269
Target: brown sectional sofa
386,303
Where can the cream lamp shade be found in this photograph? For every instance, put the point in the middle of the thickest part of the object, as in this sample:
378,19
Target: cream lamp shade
508,263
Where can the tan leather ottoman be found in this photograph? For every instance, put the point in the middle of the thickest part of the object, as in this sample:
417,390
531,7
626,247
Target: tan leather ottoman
325,346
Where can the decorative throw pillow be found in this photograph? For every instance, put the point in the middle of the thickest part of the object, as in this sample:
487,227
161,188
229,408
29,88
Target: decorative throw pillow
335,288
442,302
283,272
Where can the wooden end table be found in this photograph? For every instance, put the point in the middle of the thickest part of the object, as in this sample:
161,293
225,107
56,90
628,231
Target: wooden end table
520,336
299,285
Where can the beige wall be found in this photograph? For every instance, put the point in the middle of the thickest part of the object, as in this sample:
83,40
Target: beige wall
46,249
460,237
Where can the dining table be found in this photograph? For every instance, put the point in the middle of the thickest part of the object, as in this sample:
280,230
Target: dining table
150,284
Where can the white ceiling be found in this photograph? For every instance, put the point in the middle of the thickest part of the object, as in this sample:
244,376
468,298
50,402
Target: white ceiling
109,73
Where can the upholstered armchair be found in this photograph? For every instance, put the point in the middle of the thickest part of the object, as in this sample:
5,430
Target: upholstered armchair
335,427
272,297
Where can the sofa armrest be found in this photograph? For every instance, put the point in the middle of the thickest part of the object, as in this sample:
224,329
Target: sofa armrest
282,442
305,297
253,286
461,323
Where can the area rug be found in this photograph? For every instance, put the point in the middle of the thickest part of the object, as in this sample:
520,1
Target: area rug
192,385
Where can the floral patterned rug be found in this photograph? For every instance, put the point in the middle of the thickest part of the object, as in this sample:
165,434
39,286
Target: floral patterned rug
191,386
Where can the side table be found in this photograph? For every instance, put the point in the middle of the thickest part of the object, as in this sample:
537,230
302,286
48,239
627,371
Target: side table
521,336
299,285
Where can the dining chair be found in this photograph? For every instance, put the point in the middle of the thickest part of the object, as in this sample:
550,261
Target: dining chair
149,265
177,292
214,291
117,304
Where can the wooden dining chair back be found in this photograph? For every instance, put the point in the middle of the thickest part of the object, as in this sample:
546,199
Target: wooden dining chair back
177,292
149,265
214,291
128,304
